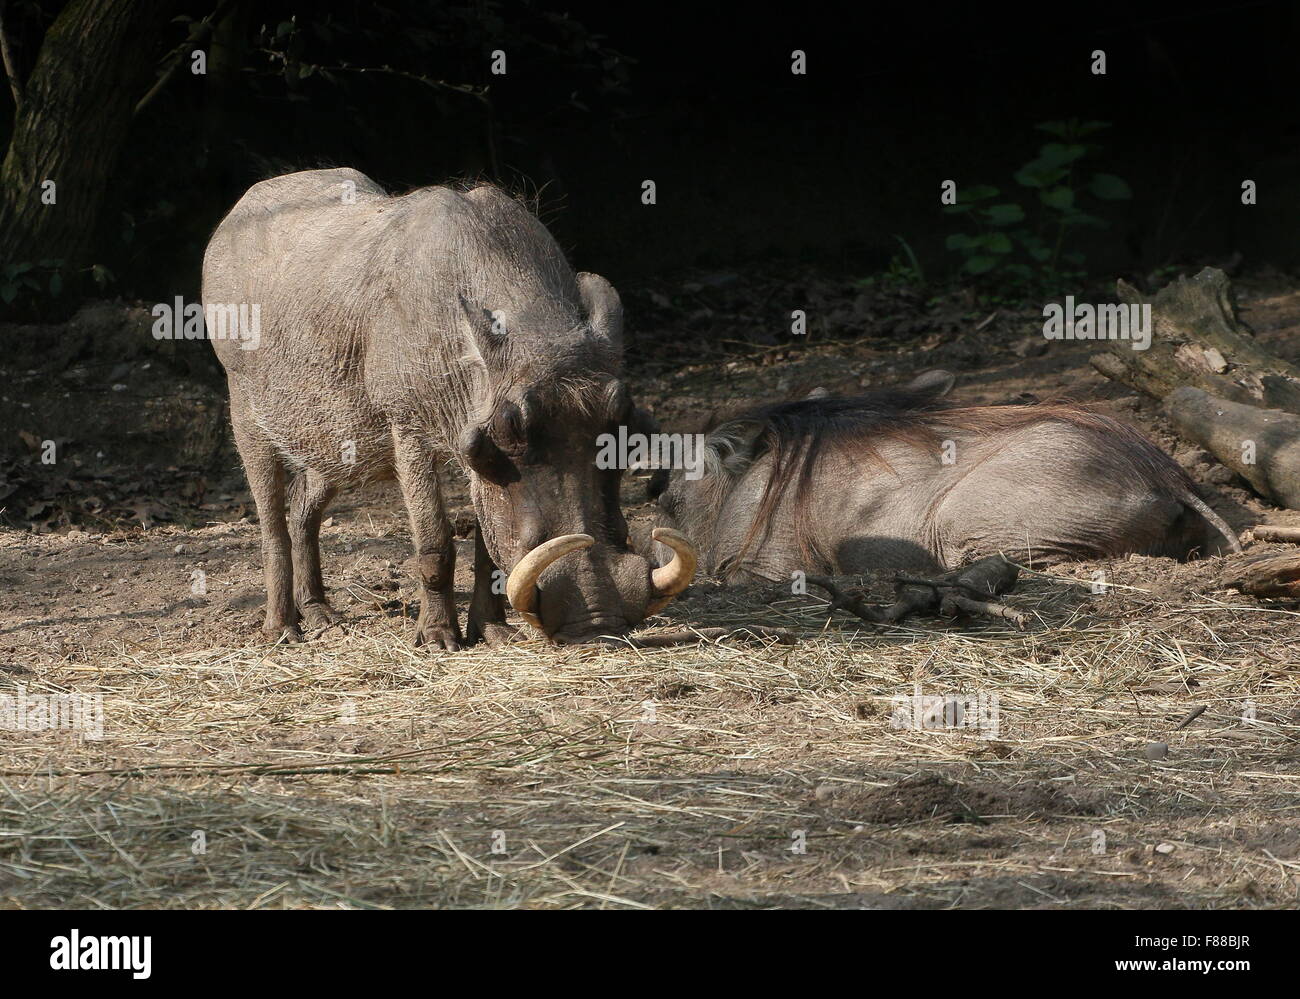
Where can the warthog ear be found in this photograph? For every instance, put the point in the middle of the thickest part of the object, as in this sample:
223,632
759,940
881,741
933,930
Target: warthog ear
735,443
479,323
618,403
604,307
935,384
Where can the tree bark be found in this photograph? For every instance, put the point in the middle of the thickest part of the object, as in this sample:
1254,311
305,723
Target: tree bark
95,61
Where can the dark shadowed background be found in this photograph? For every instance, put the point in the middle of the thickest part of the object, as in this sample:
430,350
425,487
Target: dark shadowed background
840,167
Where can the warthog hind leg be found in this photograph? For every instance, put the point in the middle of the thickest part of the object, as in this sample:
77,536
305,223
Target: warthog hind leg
309,494
266,478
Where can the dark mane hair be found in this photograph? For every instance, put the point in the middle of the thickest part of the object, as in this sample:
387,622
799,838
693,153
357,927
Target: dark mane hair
795,436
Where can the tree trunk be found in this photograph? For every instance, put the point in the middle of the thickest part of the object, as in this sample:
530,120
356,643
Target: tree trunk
95,62
1197,340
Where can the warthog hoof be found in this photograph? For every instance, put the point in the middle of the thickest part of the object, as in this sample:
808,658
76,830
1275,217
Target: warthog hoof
278,633
439,636
317,616
496,634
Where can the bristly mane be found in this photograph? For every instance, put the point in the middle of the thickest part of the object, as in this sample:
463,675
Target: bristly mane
795,435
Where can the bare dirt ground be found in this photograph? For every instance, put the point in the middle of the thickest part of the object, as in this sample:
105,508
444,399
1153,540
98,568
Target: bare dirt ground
354,771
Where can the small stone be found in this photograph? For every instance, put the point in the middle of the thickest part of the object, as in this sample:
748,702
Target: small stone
825,792
1165,848
1157,750
179,549
1030,346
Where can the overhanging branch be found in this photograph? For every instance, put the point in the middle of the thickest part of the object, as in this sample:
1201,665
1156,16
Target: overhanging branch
7,57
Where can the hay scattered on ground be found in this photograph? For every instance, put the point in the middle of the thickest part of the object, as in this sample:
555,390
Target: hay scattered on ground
355,771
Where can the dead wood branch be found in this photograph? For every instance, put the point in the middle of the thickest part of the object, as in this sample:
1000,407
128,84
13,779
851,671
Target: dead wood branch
1267,532
961,591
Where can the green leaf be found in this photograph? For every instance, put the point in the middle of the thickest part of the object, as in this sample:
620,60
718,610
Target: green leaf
1060,198
957,209
1036,175
1058,154
997,242
56,283
1058,128
1086,220
959,241
8,292
976,192
1004,214
1040,253
1108,187
980,265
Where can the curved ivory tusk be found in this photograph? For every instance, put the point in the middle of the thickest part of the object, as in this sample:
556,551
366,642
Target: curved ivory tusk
521,587
669,580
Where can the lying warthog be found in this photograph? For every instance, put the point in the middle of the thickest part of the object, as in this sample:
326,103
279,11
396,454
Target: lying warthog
896,479
401,333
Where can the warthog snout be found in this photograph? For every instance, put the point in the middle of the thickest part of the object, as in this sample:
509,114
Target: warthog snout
605,595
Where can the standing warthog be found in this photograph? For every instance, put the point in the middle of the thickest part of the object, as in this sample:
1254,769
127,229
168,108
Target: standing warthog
401,333
897,480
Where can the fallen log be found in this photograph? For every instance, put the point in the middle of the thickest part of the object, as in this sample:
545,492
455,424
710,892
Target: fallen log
1272,575
1198,341
1260,445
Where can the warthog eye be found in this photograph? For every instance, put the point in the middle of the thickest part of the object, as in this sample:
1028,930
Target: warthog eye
508,427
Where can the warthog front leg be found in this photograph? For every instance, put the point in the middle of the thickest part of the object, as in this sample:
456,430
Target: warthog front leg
487,607
309,494
434,565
